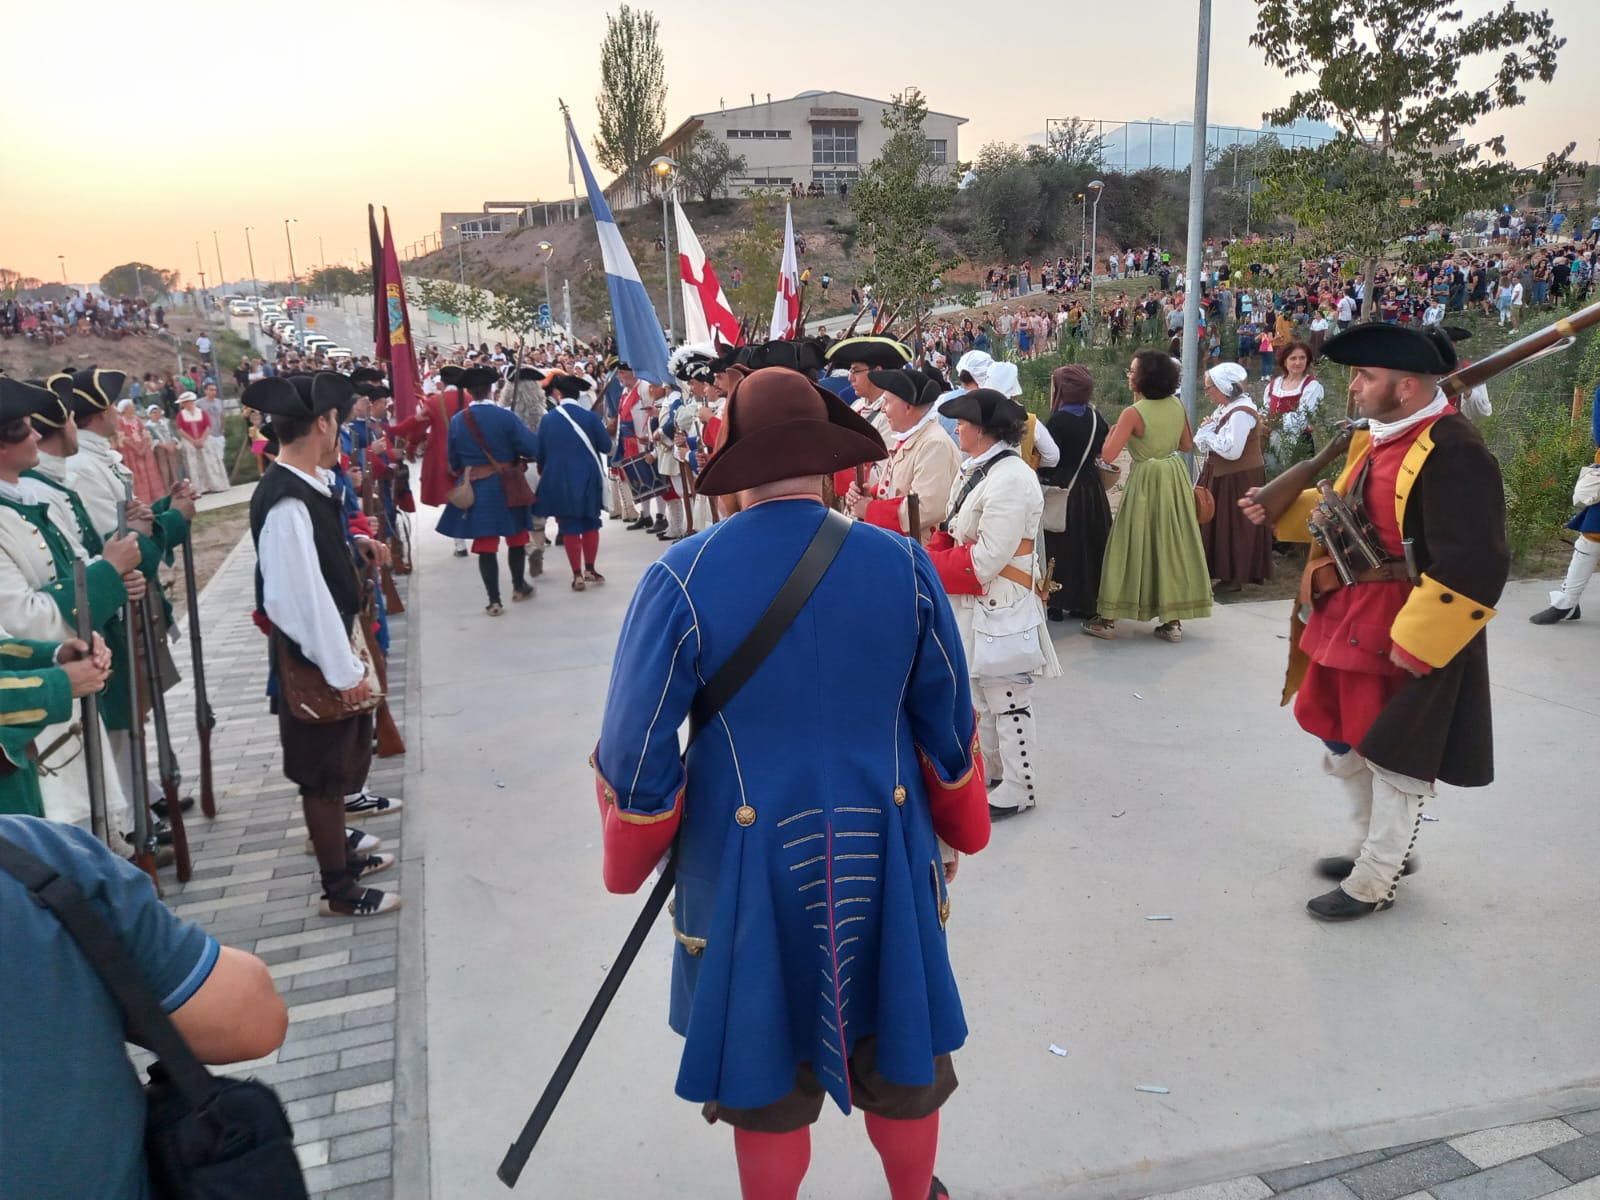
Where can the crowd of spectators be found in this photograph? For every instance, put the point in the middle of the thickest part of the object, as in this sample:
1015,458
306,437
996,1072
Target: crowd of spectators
80,315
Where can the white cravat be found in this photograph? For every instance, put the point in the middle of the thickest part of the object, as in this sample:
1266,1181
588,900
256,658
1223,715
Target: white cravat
1382,431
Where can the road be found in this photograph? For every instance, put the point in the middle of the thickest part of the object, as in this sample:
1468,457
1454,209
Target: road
1176,786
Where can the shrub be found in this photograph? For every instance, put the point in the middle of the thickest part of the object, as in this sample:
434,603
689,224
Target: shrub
1543,455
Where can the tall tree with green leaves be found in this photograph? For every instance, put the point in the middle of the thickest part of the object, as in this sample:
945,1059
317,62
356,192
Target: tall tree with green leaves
897,203
1403,82
709,165
633,93
129,278
756,251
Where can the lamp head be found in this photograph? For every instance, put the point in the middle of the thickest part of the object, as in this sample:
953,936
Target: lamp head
1096,184
663,166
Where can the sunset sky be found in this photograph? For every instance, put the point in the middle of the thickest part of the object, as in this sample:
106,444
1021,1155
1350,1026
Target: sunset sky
132,137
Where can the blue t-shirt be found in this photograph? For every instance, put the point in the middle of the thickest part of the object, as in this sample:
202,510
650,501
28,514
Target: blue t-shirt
71,1106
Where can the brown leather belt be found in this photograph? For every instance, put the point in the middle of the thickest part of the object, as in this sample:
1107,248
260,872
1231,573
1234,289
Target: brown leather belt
1389,572
1024,579
1025,546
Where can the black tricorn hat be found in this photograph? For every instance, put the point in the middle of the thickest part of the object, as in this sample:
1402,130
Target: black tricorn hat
94,390
984,407
569,387
301,395
52,417
450,375
528,374
1393,347
896,383
367,375
20,400
880,352
477,377
780,425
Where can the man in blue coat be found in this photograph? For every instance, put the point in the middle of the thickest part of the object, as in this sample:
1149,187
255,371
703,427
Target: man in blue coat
478,433
573,444
1585,553
807,818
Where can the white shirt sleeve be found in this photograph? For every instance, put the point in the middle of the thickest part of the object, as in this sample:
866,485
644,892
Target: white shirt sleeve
1294,423
1049,452
297,600
1228,440
1475,404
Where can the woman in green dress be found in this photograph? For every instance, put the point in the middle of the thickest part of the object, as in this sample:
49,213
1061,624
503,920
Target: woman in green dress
1155,565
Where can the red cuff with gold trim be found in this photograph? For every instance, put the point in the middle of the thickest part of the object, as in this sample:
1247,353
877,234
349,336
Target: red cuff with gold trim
885,514
1418,667
960,808
954,564
633,842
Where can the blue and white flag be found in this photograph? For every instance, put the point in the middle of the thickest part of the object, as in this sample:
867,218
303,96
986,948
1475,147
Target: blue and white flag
640,342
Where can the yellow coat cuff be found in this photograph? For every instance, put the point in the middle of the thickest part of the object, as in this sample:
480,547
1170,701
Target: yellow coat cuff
1292,526
1437,623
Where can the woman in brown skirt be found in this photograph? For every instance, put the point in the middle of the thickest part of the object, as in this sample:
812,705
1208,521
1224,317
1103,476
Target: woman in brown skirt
1078,549
1237,552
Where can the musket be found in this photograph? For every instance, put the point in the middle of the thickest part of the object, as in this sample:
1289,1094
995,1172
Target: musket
205,719
144,839
166,758
389,741
914,516
1278,494
89,711
372,506
1343,518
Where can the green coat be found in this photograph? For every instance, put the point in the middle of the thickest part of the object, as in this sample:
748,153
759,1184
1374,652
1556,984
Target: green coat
34,694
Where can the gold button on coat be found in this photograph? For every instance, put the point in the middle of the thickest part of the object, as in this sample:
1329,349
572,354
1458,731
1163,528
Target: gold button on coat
745,815
899,794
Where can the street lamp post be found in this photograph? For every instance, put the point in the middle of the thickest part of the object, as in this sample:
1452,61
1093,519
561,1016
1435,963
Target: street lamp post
294,279
548,251
63,259
1193,353
1083,224
666,169
255,283
200,265
216,244
1096,186
461,267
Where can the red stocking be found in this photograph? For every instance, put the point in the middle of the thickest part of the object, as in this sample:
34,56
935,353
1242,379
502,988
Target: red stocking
591,547
771,1165
907,1149
574,553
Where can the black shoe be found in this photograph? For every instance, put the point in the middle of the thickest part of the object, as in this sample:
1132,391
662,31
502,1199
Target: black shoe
460,553
1056,614
561,539
1340,905
938,1191
163,832
1338,867
641,523
535,563
996,813
659,525
1554,615
159,807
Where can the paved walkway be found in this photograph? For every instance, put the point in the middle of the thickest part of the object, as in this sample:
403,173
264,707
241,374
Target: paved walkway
255,887
419,1042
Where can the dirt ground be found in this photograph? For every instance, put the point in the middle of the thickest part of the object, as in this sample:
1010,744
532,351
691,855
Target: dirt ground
213,535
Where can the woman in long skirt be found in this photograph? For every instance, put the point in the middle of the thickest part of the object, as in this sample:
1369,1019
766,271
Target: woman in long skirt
133,443
1155,566
1237,551
194,443
1078,550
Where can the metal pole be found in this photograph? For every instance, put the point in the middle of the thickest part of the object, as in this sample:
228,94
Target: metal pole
666,242
566,306
138,281
1197,217
1094,239
255,283
320,255
216,243
63,259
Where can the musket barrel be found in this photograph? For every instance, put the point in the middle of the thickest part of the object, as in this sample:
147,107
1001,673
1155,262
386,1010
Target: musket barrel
89,711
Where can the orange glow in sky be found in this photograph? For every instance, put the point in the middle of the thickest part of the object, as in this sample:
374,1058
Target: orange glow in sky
138,130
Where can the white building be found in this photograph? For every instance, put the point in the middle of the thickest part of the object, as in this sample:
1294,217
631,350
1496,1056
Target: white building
815,137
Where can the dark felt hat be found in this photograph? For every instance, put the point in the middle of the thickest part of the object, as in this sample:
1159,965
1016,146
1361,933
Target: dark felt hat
450,375
301,395
366,375
930,384
1394,348
896,383
882,352
478,377
94,390
692,362
569,387
984,407
52,417
526,374
795,356
20,400
780,425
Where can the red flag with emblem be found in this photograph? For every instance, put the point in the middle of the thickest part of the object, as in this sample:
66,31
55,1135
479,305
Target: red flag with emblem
393,330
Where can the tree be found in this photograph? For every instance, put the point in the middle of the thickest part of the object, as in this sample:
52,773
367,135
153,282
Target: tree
1389,78
898,202
633,93
518,316
756,251
1075,141
14,283
138,279
709,165
338,281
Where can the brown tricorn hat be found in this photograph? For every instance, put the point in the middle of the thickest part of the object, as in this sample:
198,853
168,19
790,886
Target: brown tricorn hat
780,425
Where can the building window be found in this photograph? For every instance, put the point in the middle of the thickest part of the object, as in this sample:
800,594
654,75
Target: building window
938,148
471,230
833,144
830,180
760,134
764,181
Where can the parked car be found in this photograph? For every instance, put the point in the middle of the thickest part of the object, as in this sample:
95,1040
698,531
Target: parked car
241,308
337,354
294,303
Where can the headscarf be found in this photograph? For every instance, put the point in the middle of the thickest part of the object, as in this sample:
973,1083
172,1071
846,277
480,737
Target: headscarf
1229,379
124,405
977,364
1071,388
1003,379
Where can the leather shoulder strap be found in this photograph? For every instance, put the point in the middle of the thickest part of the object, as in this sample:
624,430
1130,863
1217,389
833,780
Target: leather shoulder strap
780,614
471,423
106,954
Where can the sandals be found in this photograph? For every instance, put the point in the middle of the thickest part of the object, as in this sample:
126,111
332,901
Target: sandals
522,593
590,575
366,902
1172,632
1100,628
370,864
577,583
494,608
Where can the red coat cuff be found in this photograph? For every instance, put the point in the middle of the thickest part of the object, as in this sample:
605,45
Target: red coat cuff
960,808
954,564
885,514
633,842
1411,660
360,526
